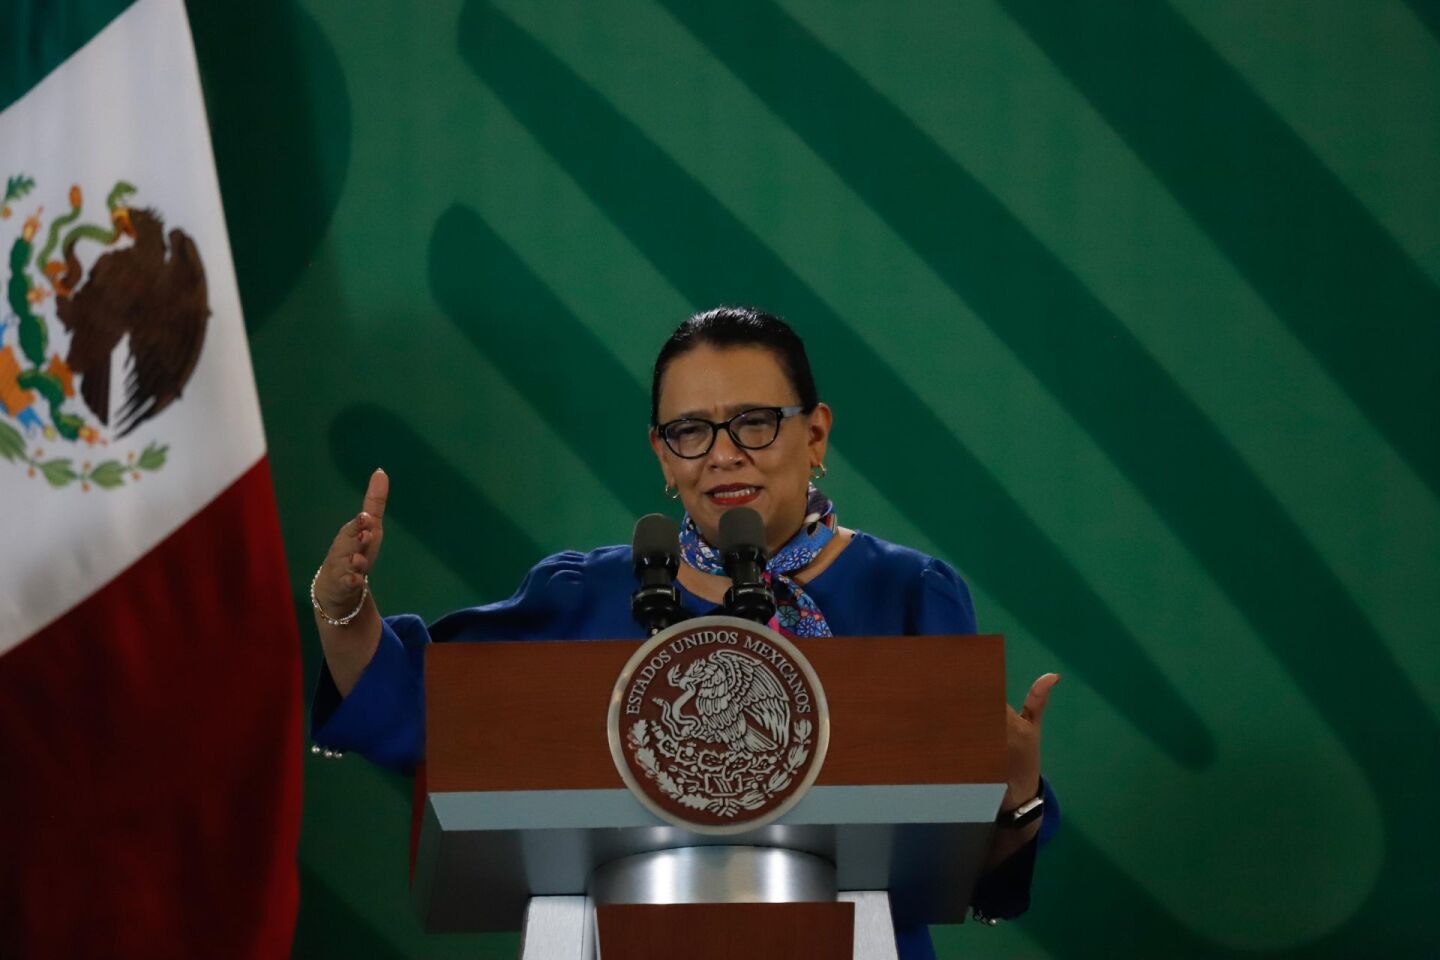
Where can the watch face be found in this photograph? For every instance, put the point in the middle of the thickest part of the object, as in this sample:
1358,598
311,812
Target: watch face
1023,814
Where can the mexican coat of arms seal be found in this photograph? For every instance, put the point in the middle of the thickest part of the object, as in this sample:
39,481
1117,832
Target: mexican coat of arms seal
101,328
718,725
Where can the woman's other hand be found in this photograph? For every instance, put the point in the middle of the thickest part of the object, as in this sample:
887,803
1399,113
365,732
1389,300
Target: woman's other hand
340,587
1022,737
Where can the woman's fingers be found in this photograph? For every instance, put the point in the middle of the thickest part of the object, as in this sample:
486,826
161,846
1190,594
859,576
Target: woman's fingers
376,493
361,534
358,548
1038,697
343,564
355,547
369,539
370,524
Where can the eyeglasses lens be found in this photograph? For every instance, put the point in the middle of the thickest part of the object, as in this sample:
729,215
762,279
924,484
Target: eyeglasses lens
754,428
689,438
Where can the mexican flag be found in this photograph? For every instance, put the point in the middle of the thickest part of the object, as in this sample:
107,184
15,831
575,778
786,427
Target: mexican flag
149,665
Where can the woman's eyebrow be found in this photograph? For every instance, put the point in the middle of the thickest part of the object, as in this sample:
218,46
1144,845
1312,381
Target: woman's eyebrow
726,411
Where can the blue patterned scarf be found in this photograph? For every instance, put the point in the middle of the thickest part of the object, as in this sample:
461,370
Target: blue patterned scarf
795,613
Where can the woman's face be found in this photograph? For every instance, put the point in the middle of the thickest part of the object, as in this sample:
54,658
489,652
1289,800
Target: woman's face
715,384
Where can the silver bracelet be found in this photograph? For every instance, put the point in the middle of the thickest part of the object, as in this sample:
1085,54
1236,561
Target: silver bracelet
343,621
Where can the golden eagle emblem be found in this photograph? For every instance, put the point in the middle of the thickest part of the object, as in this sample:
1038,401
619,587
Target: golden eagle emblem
101,329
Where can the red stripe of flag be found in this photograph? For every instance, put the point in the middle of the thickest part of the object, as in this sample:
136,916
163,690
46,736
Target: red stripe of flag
150,753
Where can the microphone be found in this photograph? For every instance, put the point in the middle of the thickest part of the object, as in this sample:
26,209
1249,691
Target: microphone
742,552
656,551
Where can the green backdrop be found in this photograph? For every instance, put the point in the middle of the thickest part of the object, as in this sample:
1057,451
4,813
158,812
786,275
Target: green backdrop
1129,310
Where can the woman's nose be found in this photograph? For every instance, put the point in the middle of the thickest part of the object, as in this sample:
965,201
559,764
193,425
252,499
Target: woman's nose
725,450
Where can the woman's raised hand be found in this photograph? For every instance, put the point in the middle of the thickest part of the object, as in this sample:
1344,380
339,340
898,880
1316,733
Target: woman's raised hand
340,589
352,554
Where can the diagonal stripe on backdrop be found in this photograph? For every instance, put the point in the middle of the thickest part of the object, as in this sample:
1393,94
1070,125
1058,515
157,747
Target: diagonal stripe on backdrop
668,216
545,352
307,109
433,499
1080,882
329,927
1428,12
1342,284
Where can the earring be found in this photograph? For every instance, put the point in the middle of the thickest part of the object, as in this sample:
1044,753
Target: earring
818,473
672,491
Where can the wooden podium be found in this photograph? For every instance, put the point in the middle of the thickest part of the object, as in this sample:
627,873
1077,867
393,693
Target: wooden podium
524,821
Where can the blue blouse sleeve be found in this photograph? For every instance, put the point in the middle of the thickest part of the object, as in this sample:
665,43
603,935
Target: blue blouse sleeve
383,718
944,605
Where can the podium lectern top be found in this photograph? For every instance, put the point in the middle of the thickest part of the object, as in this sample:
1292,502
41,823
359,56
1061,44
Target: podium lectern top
522,797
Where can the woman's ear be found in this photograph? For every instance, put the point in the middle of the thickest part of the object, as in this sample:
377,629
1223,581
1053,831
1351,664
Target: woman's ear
658,446
820,421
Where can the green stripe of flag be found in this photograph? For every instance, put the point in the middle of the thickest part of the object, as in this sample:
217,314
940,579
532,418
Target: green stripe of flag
38,35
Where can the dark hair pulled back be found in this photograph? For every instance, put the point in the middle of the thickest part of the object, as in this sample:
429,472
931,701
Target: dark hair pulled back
726,326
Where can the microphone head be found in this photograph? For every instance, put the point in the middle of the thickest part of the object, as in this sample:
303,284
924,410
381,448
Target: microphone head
656,538
741,528
742,551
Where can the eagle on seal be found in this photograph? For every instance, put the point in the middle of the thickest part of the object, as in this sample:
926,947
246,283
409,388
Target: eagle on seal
737,702
154,291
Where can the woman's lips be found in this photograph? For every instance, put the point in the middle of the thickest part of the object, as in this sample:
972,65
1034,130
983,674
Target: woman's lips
733,495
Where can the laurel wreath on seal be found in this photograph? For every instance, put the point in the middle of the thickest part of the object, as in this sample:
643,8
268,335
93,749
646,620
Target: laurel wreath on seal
639,740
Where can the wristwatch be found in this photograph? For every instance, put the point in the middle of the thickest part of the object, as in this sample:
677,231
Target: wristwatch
1028,812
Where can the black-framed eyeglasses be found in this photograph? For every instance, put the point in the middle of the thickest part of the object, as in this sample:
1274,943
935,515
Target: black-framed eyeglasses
753,429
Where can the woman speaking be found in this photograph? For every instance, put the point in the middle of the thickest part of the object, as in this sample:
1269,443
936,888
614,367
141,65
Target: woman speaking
735,420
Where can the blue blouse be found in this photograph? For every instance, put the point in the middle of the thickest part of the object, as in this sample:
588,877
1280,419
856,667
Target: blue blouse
871,588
